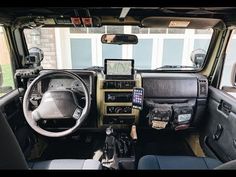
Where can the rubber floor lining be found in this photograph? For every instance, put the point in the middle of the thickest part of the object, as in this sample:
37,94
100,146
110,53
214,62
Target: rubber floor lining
155,142
83,148
152,142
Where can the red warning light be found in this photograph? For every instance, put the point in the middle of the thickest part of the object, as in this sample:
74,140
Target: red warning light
87,21
76,21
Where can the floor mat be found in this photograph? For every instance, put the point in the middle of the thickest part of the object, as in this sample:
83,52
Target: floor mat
152,142
73,149
156,142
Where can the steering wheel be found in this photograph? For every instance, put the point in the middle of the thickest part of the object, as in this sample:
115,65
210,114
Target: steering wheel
56,104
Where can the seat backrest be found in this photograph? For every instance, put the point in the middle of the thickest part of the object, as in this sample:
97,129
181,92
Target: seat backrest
11,155
231,165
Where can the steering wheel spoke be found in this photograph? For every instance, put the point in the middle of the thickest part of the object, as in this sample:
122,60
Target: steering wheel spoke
77,113
35,115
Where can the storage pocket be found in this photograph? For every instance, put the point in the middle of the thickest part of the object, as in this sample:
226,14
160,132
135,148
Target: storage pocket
159,115
182,116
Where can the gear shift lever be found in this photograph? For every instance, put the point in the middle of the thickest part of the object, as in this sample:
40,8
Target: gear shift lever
110,155
109,144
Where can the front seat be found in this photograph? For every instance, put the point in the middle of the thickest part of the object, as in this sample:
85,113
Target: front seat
11,156
157,162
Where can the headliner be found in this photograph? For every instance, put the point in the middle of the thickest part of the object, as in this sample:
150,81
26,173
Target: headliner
112,15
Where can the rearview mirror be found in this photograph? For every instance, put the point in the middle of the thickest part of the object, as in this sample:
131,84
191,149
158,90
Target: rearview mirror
119,39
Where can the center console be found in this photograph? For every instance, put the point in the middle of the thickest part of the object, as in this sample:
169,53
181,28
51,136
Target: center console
115,93
114,101
119,149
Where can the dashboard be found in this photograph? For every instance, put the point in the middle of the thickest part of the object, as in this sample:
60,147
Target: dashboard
112,96
59,82
68,83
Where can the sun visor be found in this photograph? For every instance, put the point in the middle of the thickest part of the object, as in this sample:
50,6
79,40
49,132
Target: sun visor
181,22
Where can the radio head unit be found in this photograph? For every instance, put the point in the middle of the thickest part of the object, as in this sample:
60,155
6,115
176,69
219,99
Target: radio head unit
119,68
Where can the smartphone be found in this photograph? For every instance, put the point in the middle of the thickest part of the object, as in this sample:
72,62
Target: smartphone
138,97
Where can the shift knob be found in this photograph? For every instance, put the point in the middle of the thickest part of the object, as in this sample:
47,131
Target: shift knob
109,131
133,132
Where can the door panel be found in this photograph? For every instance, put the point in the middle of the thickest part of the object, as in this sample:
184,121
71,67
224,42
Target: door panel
10,104
11,108
219,135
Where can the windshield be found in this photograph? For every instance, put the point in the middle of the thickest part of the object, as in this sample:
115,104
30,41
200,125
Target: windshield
76,48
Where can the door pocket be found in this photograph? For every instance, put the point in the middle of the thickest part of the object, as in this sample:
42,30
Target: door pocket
216,149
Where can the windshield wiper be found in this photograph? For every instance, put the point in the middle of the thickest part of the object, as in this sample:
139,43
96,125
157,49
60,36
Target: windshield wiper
175,67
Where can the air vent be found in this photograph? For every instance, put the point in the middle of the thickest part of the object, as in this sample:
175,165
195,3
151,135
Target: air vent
202,88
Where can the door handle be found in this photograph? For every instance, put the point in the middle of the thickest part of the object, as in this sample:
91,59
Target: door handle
218,132
225,107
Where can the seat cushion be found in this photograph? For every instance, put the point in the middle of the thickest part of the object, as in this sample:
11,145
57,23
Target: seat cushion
65,164
155,162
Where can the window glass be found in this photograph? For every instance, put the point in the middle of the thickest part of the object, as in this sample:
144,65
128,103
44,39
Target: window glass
115,29
173,46
45,39
203,31
70,47
81,54
227,79
176,31
111,51
158,30
143,51
201,44
78,30
97,30
137,30
6,73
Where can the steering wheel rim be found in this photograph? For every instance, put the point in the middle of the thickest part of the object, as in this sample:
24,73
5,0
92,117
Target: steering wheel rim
28,113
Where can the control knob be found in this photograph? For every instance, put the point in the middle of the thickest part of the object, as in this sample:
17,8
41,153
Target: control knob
127,110
118,110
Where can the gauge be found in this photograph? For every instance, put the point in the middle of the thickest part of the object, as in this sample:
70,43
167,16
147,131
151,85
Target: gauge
36,89
77,86
59,83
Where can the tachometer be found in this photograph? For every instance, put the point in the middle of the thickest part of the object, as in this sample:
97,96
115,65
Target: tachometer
77,86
